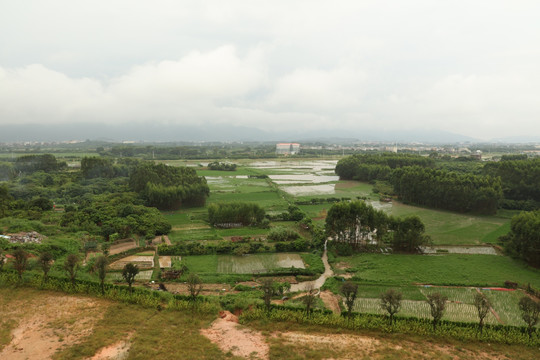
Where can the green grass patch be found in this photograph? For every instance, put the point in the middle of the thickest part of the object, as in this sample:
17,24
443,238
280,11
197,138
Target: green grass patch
448,228
452,269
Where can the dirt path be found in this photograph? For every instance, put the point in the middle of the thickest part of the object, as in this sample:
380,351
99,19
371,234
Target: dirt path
229,336
316,284
491,309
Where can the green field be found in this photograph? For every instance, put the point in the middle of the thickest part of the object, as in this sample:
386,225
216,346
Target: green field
448,228
460,305
453,269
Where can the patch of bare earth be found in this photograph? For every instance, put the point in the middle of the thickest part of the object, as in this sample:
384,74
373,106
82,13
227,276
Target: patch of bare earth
208,289
118,248
191,227
163,239
331,301
116,351
348,347
49,323
230,337
346,184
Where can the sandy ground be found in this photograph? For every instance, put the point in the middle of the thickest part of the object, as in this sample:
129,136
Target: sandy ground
208,289
115,249
331,301
366,347
165,262
229,336
116,351
38,335
158,240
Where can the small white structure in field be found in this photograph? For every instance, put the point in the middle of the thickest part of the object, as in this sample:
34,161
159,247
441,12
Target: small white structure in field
287,148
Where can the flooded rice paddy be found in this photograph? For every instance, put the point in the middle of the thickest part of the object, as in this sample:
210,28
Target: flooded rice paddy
257,263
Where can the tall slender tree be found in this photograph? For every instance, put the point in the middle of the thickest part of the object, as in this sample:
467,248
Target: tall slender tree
45,262
482,304
391,302
128,273
437,304
20,261
350,291
71,266
101,267
530,311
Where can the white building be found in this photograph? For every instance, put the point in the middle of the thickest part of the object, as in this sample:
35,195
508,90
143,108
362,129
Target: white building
287,148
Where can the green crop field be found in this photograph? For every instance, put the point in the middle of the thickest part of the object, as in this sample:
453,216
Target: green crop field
452,269
459,307
448,228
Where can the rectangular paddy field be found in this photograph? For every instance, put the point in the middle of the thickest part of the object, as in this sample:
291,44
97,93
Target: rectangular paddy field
248,264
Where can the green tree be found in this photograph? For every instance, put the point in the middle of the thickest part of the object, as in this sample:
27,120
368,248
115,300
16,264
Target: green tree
350,291
20,261
530,311
309,299
355,223
100,265
267,287
523,241
437,304
71,266
194,284
482,304
2,259
391,303
5,199
129,272
45,262
409,235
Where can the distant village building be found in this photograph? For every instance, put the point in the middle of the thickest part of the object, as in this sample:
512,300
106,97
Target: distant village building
287,148
477,155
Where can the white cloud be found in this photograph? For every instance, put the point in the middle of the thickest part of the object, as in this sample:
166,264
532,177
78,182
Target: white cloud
467,67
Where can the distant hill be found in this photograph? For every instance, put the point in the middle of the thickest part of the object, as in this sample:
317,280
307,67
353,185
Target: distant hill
156,132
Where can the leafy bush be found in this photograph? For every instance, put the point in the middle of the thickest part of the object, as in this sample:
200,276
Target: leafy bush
282,234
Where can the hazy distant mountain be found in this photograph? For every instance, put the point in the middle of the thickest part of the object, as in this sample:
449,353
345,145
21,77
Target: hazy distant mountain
171,132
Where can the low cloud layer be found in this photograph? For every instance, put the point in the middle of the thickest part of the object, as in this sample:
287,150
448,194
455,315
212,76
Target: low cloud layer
304,66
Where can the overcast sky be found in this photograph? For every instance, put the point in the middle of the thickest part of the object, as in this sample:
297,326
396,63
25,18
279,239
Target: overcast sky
470,67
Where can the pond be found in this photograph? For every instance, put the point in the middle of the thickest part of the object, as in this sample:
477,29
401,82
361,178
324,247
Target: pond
325,189
305,178
472,250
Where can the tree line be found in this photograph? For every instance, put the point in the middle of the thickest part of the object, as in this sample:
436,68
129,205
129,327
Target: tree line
415,179
523,240
447,190
520,181
355,226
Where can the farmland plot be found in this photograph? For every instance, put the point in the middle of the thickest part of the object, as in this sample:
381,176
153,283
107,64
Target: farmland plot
257,263
505,304
420,309
142,261
144,275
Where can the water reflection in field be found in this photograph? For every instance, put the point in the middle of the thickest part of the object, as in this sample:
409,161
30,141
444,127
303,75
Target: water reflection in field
257,263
